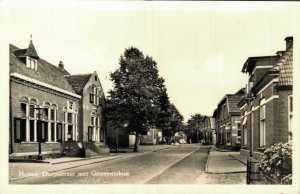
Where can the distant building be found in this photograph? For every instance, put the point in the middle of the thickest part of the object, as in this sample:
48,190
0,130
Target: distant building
227,121
37,84
207,129
267,109
153,137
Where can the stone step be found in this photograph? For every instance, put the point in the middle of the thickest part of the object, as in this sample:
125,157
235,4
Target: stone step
90,153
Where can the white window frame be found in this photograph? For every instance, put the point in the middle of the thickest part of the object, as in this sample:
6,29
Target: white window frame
74,121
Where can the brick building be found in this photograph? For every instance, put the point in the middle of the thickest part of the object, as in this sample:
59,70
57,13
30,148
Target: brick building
267,109
36,84
227,121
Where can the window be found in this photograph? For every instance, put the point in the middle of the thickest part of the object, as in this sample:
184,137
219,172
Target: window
45,113
52,115
102,134
97,122
262,126
91,98
70,126
95,96
92,121
31,63
20,130
70,133
245,135
23,110
52,131
31,111
90,133
31,134
70,118
59,132
44,131
290,116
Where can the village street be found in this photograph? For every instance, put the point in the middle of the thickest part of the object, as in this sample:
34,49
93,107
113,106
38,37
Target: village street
178,164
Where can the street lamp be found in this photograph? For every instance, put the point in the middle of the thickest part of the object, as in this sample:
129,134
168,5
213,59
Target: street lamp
40,112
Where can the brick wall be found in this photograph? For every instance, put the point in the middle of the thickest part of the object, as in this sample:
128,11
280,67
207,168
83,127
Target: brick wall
21,89
276,117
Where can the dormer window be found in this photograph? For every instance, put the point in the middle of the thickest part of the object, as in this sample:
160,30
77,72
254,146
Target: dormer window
31,63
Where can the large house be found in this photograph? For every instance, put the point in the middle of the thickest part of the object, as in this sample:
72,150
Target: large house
227,121
50,106
267,109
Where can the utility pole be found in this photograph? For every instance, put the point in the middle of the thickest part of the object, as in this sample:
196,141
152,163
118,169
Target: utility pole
40,111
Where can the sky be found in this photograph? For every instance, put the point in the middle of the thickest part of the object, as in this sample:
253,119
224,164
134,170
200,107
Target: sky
200,47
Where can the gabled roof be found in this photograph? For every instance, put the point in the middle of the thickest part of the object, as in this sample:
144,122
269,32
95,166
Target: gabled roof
78,81
233,101
285,64
46,72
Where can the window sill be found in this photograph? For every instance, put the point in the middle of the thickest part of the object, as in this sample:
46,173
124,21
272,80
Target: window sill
25,142
244,147
51,142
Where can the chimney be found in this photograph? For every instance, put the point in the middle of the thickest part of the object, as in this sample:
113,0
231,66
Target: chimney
289,41
61,65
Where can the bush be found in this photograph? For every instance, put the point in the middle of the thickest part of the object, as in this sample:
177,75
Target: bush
277,163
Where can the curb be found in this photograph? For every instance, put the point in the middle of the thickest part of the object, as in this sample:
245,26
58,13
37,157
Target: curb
81,159
238,159
235,172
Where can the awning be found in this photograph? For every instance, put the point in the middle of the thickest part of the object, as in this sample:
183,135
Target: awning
245,121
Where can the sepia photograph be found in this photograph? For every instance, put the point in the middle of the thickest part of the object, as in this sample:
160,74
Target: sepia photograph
150,96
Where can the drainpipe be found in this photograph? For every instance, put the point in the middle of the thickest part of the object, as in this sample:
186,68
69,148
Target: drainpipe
10,119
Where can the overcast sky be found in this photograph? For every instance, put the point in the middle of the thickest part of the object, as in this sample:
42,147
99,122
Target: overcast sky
200,47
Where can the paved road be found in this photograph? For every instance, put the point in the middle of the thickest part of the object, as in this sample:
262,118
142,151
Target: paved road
179,164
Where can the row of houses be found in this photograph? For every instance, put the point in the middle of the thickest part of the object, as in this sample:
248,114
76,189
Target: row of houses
261,114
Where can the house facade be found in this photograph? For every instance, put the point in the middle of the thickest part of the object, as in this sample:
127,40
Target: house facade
44,107
207,129
227,121
267,109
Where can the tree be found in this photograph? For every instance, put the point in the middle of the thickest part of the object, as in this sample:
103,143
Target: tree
194,124
170,119
137,90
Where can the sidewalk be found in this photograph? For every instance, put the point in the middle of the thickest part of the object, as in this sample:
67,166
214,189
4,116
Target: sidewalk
21,170
224,167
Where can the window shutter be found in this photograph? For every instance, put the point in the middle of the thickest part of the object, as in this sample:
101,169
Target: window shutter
91,98
17,130
90,133
58,132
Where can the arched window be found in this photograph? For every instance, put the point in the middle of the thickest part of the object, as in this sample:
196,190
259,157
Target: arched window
262,125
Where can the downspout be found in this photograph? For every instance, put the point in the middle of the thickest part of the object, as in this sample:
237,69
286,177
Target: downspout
10,119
